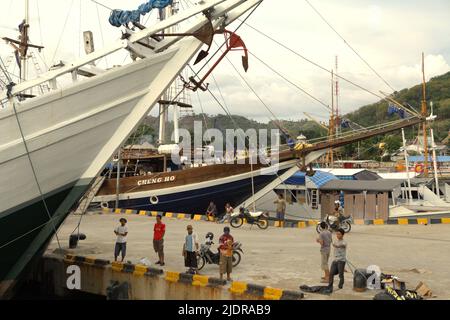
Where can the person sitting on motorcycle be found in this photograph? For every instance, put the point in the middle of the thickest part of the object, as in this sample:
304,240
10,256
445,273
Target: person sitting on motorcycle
226,253
338,211
228,211
335,218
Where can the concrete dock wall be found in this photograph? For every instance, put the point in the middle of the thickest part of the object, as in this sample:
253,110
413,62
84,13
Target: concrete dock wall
138,282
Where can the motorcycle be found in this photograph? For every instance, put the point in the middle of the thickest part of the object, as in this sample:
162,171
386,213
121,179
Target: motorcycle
261,219
334,223
206,256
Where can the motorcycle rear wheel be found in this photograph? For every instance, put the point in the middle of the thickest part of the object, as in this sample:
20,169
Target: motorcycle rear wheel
346,226
263,224
236,258
201,261
236,222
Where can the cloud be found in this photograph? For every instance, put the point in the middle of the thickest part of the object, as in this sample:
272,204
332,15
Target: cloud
402,75
390,35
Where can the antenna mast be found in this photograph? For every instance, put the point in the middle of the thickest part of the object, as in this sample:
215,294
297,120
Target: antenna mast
24,38
337,117
424,114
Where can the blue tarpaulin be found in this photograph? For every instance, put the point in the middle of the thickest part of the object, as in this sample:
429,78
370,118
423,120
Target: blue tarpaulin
319,178
395,110
123,17
296,179
422,159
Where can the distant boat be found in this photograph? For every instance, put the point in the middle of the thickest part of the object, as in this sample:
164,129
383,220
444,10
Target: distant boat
190,190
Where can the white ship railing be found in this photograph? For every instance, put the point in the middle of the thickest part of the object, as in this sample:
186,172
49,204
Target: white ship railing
220,12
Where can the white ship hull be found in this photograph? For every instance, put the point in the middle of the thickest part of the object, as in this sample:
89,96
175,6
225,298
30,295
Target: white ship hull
70,134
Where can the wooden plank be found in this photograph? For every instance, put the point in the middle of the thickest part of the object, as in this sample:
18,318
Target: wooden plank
359,206
370,206
349,205
325,208
383,206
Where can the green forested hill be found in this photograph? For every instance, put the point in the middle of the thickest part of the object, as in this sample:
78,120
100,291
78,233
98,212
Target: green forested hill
438,91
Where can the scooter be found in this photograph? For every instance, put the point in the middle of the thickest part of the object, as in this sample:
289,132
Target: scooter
334,223
206,256
261,219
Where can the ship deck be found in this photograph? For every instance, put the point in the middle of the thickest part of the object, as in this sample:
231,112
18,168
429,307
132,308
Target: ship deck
283,257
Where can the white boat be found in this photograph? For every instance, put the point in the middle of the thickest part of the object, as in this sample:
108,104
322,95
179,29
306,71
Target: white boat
54,145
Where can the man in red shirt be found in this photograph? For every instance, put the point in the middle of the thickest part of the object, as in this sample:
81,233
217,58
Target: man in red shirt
158,239
226,253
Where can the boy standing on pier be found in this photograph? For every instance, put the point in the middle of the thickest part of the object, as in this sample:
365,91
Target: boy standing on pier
226,254
325,239
190,250
159,231
121,243
281,208
338,265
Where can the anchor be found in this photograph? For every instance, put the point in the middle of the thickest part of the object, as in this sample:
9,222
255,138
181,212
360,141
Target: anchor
233,43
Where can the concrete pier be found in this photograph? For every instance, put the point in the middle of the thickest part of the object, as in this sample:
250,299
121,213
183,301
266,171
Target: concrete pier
275,261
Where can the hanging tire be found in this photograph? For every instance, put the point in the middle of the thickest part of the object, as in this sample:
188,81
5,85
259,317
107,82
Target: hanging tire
236,258
346,226
201,261
237,222
263,224
104,205
154,200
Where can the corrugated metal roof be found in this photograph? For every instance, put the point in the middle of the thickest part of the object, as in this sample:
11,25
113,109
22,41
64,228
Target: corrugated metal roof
422,158
342,172
353,174
321,178
367,175
297,179
361,185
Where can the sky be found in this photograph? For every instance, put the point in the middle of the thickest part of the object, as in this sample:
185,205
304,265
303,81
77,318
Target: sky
390,34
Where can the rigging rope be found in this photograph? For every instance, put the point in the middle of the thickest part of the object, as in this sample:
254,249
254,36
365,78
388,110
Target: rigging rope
359,56
246,138
290,82
123,17
5,70
40,32
312,62
250,156
101,33
62,32
34,172
101,4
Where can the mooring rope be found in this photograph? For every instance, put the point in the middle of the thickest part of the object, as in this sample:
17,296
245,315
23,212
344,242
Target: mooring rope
34,172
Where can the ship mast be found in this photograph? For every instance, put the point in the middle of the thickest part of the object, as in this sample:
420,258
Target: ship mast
424,114
331,129
337,116
24,38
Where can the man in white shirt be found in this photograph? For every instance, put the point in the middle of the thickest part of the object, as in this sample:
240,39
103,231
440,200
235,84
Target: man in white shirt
121,243
190,250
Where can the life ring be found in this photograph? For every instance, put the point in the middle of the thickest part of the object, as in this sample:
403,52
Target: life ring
104,205
154,200
418,168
